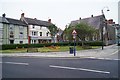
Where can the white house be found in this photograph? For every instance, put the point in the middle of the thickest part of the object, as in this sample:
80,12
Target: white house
37,30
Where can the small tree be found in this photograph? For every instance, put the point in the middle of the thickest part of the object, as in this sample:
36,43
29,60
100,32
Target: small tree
83,30
53,31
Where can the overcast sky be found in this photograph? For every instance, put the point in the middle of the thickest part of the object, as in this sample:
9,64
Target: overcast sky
61,12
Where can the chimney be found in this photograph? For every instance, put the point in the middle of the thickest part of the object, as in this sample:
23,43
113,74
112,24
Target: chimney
49,20
4,15
91,15
110,21
35,18
80,18
22,17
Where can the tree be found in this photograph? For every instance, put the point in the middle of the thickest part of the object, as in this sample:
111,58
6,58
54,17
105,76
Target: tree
83,31
53,31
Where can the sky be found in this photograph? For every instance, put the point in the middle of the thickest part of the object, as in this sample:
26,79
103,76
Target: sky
61,12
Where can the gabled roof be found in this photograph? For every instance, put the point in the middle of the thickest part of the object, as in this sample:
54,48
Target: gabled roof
15,22
31,21
92,21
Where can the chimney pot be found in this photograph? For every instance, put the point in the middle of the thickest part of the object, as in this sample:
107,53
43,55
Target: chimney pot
49,20
4,15
22,15
91,15
80,18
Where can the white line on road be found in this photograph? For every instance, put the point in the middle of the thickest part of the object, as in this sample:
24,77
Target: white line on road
102,58
90,70
115,52
15,63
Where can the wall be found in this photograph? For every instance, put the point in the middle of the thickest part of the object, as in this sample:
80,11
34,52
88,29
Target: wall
5,34
39,29
18,37
1,33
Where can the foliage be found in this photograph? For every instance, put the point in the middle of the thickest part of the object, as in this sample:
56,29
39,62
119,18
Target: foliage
53,29
14,46
83,30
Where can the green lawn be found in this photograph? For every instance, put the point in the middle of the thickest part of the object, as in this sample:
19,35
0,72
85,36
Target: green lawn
47,49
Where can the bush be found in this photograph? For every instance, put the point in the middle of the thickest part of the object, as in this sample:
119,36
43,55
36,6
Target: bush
93,43
14,46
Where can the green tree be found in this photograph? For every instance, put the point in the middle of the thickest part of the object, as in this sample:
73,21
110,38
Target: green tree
53,31
83,30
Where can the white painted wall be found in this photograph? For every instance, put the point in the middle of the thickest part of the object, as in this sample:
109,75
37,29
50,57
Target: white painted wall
39,29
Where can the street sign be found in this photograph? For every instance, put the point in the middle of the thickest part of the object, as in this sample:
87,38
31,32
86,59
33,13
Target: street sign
74,32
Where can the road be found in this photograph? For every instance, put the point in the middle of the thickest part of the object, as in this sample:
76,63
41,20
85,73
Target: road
28,67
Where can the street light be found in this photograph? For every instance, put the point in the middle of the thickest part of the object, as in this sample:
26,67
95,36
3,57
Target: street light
103,25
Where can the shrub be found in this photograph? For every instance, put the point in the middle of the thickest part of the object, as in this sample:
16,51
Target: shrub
14,46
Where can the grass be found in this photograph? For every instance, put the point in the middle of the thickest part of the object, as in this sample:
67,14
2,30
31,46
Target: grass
46,49
14,51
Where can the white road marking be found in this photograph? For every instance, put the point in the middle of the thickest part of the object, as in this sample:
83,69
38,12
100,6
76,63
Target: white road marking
115,52
102,58
90,70
15,63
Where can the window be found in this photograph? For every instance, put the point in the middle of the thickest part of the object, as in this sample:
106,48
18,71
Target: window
21,35
11,36
40,33
34,41
34,33
47,33
11,41
33,27
21,42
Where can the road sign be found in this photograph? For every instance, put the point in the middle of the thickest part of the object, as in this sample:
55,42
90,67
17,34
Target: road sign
74,32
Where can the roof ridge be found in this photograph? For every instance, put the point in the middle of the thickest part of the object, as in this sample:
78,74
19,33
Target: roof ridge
92,17
35,19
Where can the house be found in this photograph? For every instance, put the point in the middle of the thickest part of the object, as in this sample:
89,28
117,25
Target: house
99,23
12,31
117,29
59,35
37,30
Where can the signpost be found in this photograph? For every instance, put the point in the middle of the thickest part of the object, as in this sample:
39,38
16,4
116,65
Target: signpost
74,33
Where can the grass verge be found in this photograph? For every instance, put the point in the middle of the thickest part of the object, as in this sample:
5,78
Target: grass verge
47,49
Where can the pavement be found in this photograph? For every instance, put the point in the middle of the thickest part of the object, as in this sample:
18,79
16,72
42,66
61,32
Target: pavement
108,50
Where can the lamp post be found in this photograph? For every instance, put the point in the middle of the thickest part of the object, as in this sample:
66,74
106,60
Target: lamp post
103,25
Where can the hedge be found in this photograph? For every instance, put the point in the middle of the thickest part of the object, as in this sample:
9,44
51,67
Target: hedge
14,46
